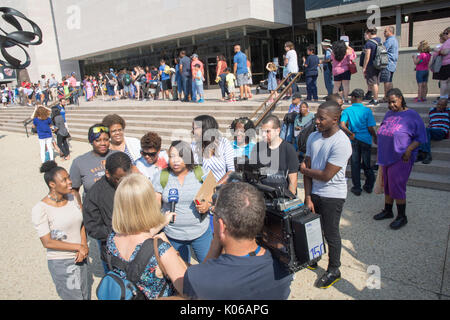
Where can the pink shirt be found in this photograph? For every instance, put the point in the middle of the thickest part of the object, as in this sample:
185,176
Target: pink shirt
193,63
72,82
340,67
446,58
425,57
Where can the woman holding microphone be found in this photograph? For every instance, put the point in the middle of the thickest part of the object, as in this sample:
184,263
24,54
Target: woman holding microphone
180,183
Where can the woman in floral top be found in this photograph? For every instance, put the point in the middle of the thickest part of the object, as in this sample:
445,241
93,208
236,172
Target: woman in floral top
137,218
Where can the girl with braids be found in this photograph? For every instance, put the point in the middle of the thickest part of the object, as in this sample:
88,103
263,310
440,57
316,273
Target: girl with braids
399,136
342,57
58,221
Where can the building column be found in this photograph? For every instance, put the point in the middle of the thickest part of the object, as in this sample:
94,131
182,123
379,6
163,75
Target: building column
319,37
398,24
411,30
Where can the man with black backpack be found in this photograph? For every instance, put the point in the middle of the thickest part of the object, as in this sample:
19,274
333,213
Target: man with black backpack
372,71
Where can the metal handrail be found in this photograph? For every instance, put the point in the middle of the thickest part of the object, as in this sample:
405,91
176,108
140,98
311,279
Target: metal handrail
273,105
270,96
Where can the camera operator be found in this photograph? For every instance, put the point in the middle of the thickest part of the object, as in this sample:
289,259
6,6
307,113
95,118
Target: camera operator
277,156
327,153
245,270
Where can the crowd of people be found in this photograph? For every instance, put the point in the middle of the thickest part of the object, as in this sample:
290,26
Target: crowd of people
129,184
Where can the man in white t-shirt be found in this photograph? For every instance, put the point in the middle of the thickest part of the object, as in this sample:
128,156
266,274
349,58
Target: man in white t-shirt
327,153
292,65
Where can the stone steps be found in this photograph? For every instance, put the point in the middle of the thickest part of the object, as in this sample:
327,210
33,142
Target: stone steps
173,120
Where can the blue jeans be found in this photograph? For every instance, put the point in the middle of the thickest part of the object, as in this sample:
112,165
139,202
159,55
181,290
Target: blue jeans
294,85
432,134
200,246
186,84
199,89
179,84
194,90
361,159
287,132
328,78
104,264
311,87
223,85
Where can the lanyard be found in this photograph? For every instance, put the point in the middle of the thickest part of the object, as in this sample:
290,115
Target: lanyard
253,253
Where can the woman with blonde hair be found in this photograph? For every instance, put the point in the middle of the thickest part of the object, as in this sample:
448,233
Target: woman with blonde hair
43,125
137,218
422,60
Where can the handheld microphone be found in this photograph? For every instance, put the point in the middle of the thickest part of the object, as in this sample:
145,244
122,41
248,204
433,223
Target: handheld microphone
173,199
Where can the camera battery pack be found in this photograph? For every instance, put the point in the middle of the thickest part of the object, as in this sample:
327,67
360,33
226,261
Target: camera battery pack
293,236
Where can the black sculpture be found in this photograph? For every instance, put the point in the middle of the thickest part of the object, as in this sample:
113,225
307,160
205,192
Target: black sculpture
17,38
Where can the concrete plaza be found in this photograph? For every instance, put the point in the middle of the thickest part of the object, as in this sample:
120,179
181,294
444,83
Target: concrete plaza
411,263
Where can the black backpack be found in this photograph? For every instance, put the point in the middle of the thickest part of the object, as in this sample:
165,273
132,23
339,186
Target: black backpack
290,117
113,287
304,134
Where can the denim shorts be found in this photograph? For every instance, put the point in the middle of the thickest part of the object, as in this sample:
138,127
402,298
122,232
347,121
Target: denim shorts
242,79
386,76
422,76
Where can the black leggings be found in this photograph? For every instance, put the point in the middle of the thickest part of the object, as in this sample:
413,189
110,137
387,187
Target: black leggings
63,145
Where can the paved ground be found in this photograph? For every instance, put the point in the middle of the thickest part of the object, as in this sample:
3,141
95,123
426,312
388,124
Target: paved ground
413,262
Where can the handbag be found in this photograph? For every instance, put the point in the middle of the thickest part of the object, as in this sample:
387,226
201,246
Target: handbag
379,182
352,67
436,64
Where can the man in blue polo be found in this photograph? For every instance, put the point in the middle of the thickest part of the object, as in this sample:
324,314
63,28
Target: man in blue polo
358,123
391,45
241,71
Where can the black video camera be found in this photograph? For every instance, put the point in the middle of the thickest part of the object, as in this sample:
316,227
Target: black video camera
291,232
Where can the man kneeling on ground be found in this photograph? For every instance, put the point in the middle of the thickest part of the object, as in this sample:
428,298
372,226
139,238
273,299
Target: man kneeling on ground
245,270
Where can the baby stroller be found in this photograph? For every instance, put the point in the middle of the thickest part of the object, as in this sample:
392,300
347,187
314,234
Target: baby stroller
263,85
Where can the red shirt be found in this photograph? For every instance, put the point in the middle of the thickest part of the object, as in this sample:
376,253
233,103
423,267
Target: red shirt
193,63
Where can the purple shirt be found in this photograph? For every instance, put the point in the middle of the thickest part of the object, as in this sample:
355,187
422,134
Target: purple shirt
397,131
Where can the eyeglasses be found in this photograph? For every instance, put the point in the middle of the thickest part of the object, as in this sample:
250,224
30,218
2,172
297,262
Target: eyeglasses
117,131
149,154
100,129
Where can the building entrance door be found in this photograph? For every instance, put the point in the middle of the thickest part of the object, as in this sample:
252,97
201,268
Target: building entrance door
210,72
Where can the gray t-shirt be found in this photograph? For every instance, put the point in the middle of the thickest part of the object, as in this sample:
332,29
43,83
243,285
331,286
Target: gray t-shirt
336,150
189,223
186,63
87,169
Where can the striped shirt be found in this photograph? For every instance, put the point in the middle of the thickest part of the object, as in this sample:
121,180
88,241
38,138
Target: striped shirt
220,163
439,119
129,155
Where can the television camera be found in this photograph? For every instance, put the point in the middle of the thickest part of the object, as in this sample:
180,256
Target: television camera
291,231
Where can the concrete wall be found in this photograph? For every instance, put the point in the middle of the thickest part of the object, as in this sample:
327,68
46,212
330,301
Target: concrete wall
404,76
88,28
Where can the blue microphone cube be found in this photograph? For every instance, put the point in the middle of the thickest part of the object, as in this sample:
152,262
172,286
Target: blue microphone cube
173,195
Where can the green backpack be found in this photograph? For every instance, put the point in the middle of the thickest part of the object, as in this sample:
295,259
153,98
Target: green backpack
127,79
164,177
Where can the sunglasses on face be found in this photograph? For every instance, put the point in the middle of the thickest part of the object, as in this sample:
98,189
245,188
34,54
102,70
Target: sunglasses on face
100,129
149,154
